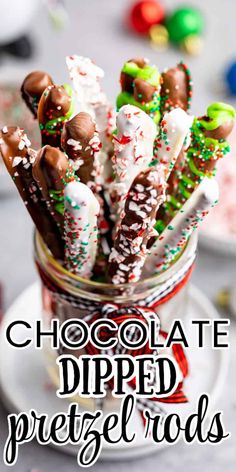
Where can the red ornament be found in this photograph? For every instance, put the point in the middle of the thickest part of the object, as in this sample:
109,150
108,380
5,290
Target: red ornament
144,14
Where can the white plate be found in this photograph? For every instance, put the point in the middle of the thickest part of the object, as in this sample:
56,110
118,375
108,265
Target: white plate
23,376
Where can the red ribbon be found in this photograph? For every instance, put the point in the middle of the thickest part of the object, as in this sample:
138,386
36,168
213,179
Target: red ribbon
178,396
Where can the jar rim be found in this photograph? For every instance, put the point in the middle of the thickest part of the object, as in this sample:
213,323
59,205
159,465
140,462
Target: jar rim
158,278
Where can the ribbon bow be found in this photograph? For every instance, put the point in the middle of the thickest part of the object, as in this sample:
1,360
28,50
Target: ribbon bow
119,315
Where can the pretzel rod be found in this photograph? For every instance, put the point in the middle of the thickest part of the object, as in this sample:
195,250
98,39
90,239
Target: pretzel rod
81,211
176,92
208,144
173,132
81,143
179,167
105,117
18,159
129,253
51,171
56,106
89,176
32,88
140,86
133,149
86,77
173,239
176,88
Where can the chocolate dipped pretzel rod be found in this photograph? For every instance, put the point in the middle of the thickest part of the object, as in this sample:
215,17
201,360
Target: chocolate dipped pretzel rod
208,144
140,86
175,236
176,92
56,106
176,88
81,212
129,252
173,133
86,77
81,143
133,149
32,88
51,171
18,159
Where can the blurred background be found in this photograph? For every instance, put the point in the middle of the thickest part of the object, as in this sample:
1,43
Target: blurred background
95,28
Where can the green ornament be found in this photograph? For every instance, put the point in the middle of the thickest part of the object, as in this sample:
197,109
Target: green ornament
184,22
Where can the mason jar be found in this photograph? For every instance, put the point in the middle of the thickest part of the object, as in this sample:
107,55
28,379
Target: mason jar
67,296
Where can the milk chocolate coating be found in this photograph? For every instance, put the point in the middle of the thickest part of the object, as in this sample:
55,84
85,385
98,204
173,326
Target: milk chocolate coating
208,165
28,189
127,81
143,91
54,103
51,171
81,128
32,88
174,89
140,61
204,165
222,132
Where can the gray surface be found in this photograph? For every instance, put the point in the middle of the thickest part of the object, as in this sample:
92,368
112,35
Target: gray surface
95,31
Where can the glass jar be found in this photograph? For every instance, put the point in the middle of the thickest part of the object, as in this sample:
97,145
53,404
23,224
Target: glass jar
65,295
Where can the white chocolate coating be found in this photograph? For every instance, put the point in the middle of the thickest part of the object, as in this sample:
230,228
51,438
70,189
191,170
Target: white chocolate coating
86,78
81,212
133,148
179,230
173,133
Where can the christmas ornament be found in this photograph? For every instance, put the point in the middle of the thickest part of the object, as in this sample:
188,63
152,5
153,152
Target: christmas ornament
144,14
159,36
185,26
230,78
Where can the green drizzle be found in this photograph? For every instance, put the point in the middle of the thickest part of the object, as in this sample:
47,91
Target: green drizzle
202,149
58,197
51,124
152,108
159,226
219,113
204,146
148,73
